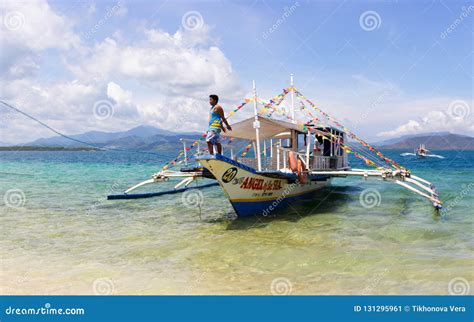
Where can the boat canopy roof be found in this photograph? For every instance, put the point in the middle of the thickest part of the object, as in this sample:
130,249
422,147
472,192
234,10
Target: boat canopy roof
269,128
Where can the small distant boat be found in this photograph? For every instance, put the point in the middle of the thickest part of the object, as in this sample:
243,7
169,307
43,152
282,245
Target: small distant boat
421,151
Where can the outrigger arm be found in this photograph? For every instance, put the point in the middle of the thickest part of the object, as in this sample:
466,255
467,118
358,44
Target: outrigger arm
164,176
400,177
138,185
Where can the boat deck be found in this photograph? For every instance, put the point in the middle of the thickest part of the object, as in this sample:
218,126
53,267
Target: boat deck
319,162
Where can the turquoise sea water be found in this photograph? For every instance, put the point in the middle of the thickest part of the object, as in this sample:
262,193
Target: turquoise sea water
61,236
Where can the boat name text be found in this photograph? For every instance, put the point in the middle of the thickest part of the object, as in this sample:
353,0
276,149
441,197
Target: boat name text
260,184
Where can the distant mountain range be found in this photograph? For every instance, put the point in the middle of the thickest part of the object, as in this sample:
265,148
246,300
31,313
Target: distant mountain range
139,134
432,141
4,144
141,138
149,138
403,137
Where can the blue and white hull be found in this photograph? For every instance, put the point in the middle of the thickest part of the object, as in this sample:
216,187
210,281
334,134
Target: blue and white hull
259,193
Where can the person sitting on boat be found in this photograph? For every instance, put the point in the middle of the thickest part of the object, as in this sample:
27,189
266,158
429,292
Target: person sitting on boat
216,118
318,146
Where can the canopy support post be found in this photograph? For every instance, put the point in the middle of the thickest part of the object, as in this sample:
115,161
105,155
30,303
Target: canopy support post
185,152
256,126
308,148
292,99
278,154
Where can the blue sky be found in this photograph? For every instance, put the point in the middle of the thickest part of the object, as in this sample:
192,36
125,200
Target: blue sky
406,68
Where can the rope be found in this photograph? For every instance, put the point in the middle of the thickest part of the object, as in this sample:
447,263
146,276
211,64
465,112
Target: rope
360,154
269,108
67,136
351,135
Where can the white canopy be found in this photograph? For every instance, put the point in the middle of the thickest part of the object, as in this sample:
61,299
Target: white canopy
269,128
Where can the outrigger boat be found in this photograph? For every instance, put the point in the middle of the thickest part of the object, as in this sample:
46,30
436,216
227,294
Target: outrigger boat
291,159
421,152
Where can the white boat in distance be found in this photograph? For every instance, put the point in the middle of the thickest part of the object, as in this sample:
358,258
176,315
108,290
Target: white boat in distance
421,151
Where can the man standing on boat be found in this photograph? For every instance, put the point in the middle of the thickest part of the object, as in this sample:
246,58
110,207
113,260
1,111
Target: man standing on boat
216,117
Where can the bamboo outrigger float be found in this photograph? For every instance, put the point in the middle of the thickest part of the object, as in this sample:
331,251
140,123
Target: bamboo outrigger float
297,159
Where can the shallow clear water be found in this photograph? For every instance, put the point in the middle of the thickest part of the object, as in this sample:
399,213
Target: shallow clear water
66,238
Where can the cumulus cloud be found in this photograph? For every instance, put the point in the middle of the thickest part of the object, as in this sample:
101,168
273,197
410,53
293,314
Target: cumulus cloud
457,118
176,64
162,78
52,100
70,107
376,108
123,99
29,28
156,77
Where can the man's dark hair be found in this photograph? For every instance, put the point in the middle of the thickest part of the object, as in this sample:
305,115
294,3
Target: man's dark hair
214,97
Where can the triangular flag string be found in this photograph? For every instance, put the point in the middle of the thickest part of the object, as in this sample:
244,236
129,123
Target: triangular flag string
349,133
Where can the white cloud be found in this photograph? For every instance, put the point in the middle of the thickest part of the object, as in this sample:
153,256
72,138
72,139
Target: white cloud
71,108
171,75
115,92
369,108
182,64
124,105
29,28
163,78
67,106
435,121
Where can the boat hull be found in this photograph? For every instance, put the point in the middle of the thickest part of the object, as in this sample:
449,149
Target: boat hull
267,207
254,193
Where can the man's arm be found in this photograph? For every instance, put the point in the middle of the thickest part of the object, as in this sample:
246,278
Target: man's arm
220,111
